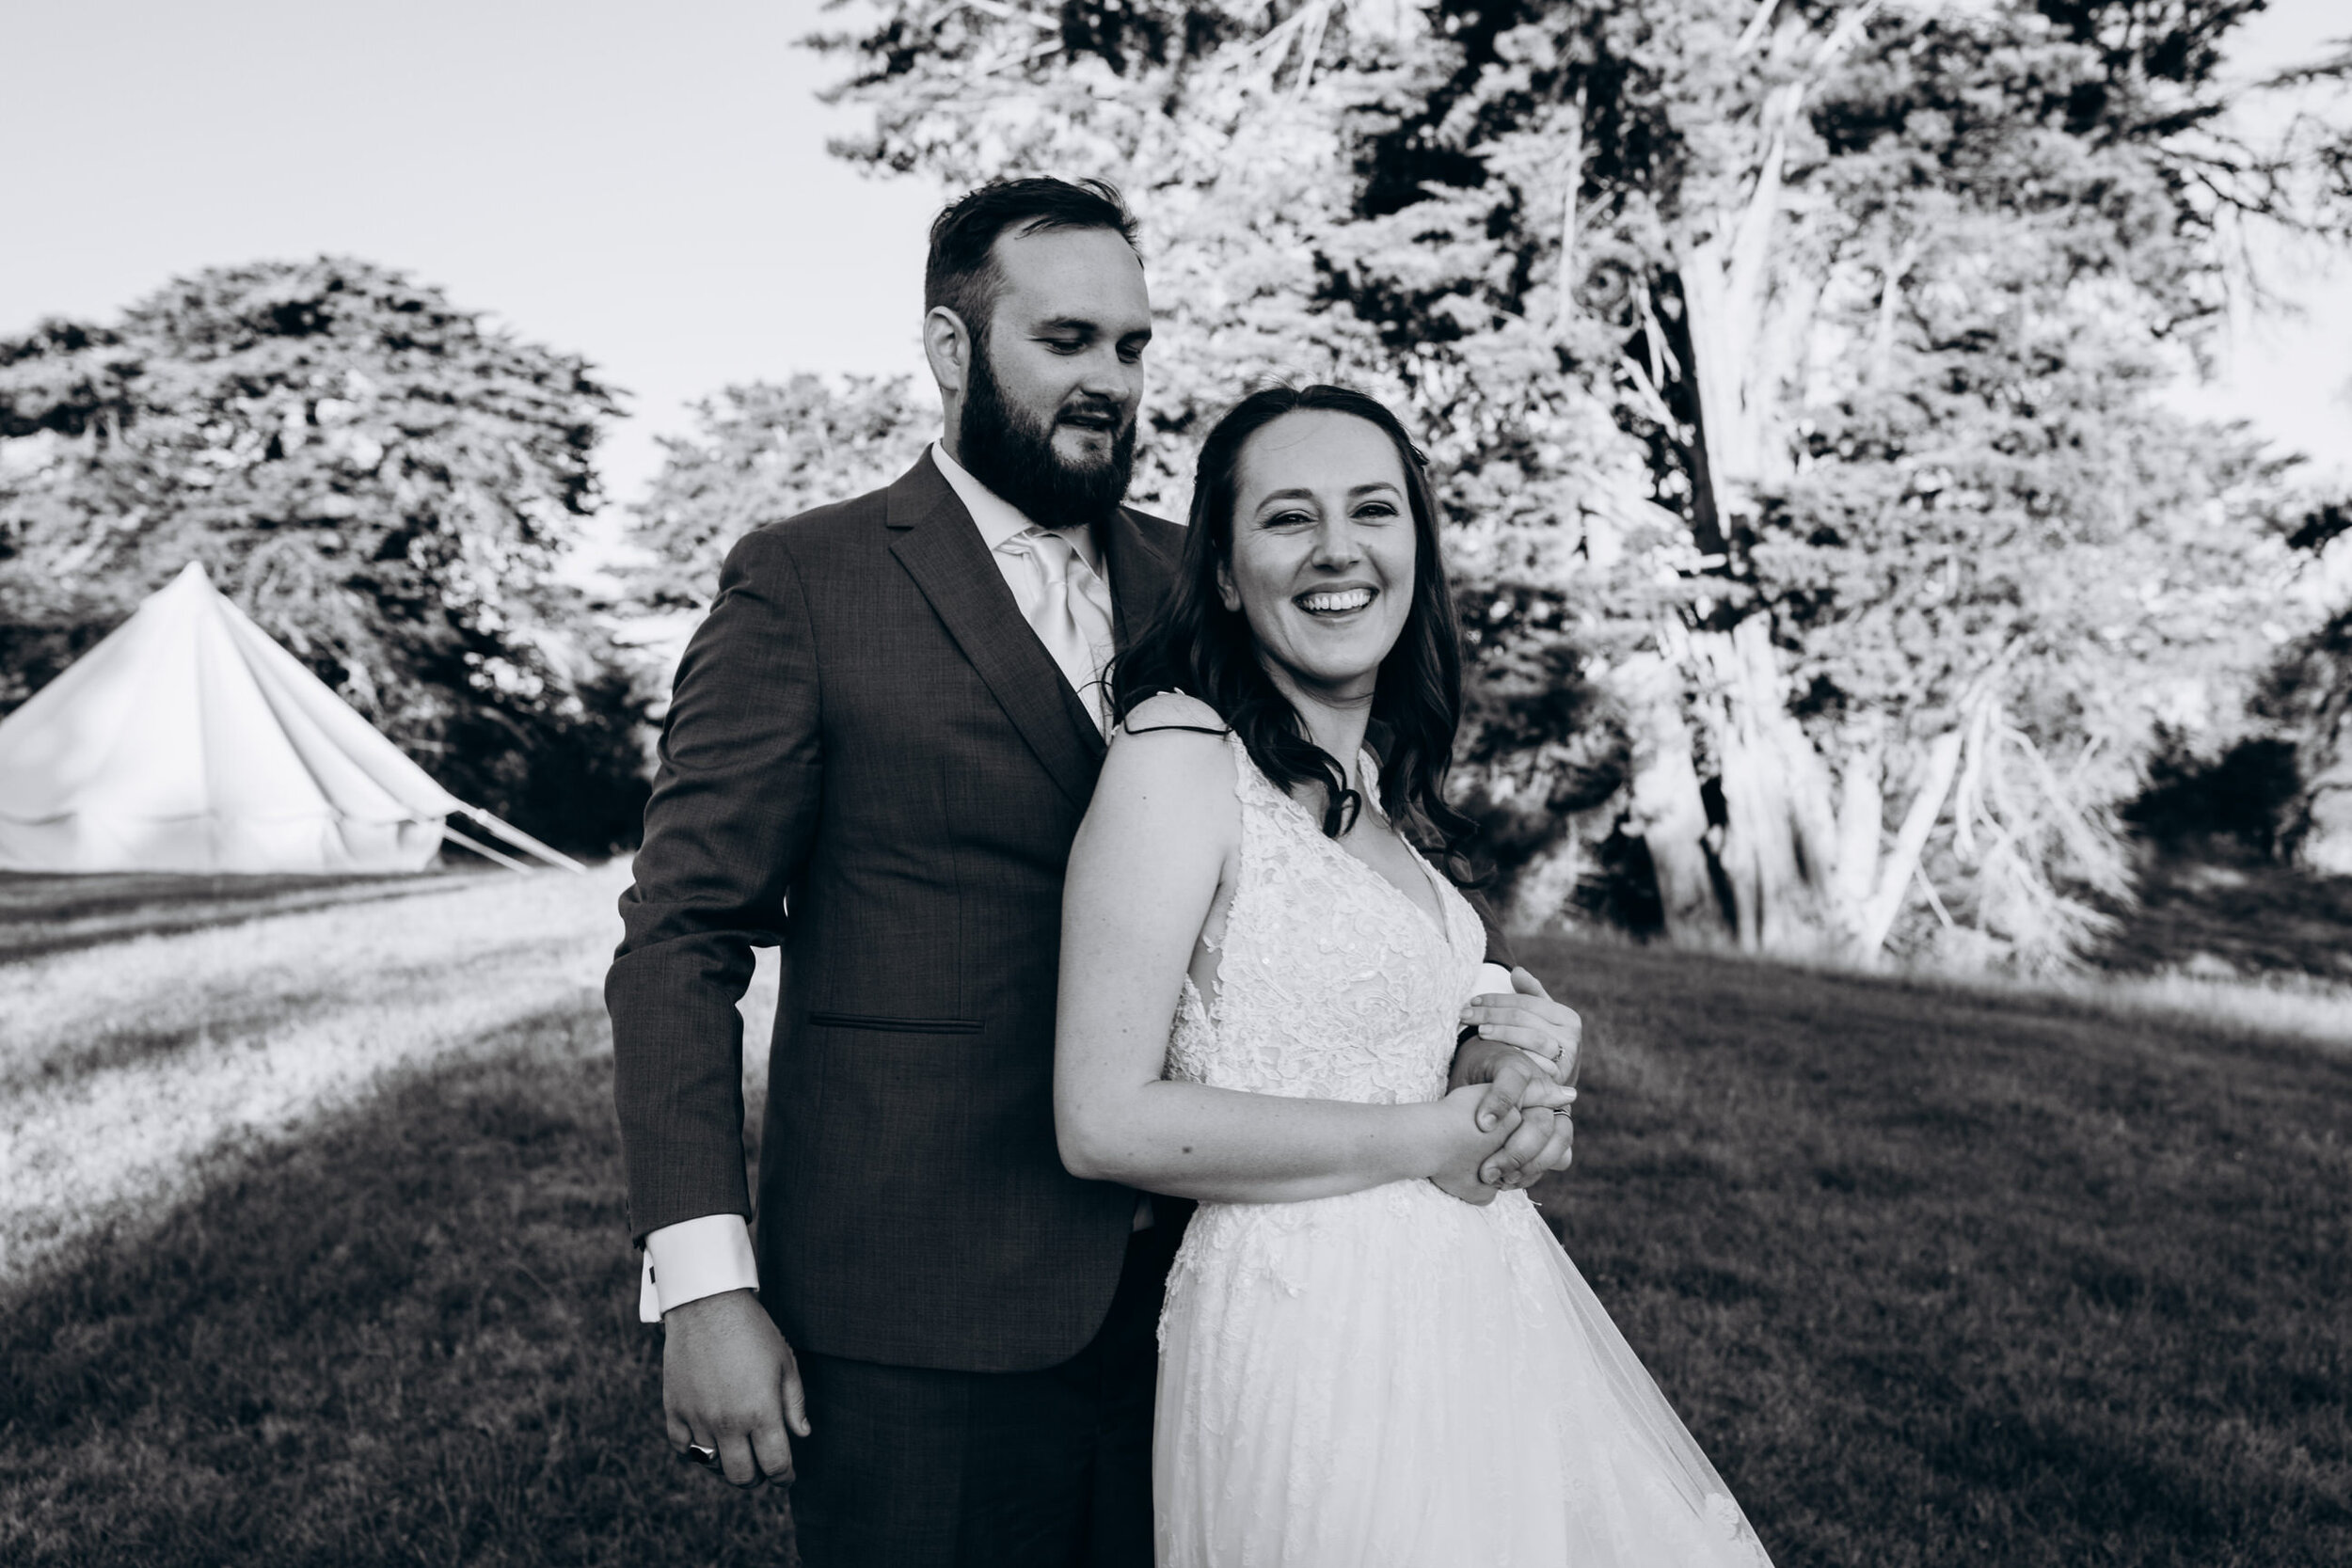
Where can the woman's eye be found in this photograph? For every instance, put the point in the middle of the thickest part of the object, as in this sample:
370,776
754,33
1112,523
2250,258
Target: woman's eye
1376,510
1288,519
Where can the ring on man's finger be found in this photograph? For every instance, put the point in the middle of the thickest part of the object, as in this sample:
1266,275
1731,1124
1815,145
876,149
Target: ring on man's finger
694,1453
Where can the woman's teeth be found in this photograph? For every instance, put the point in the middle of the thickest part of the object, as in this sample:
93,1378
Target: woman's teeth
1335,603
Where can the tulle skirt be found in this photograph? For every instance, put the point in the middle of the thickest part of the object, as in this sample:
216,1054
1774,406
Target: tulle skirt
1394,1377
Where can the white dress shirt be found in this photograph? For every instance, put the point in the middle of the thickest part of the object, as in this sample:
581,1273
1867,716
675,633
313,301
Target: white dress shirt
700,1257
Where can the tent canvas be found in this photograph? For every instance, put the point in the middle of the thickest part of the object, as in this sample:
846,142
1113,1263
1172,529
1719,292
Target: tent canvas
189,742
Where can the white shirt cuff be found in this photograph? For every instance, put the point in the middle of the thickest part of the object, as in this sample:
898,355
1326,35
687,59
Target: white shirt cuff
1492,978
694,1259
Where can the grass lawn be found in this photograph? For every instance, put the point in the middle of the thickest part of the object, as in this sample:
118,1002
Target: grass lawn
1935,1276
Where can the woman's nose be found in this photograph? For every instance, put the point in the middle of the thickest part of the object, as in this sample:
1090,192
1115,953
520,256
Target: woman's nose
1336,544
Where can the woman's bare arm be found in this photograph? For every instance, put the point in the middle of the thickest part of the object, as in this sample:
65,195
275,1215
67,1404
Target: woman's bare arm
1163,830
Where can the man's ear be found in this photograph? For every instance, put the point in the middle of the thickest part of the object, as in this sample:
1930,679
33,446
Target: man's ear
948,344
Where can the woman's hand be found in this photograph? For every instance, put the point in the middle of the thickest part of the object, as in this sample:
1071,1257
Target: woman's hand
1461,1147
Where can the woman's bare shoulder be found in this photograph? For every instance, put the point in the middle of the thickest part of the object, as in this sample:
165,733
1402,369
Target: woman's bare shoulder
1172,749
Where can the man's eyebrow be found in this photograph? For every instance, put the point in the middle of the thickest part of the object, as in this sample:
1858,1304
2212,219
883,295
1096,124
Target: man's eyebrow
1079,323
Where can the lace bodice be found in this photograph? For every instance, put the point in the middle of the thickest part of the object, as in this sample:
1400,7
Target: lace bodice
1331,983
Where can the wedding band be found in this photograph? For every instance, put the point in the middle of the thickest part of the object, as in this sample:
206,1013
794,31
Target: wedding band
707,1458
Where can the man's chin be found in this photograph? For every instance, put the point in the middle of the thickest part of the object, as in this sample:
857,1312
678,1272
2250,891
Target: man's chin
1083,450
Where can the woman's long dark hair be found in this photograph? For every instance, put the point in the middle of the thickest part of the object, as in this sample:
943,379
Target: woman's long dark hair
1196,645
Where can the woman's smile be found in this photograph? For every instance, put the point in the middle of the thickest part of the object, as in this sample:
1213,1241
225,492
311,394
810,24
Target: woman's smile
1337,604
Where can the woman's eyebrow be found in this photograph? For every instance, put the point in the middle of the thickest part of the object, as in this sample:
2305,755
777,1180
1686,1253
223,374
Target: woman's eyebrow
1296,493
1368,489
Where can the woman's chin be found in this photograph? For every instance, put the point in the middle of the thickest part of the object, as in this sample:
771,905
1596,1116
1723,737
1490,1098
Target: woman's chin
1337,681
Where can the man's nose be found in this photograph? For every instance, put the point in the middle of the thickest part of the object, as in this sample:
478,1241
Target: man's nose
1109,375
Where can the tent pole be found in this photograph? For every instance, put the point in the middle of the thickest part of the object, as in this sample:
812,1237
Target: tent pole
523,840
453,836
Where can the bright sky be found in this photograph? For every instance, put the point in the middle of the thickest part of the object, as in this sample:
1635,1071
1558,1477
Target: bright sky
647,186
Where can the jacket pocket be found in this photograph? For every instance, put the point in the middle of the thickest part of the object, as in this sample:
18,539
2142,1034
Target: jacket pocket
896,1025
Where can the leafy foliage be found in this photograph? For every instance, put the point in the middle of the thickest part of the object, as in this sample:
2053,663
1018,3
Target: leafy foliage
1851,318
385,483
765,451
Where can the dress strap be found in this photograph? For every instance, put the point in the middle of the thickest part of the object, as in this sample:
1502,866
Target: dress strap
1189,700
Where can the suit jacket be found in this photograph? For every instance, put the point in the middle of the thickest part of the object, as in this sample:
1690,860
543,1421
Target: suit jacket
865,733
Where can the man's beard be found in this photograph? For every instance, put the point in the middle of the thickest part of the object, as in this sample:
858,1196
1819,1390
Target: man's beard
1010,451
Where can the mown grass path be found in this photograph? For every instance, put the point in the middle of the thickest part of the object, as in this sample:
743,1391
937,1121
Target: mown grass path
1935,1277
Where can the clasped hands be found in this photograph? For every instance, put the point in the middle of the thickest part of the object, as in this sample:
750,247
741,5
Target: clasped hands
1523,1062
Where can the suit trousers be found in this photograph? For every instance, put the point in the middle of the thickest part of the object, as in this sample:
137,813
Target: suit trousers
918,1467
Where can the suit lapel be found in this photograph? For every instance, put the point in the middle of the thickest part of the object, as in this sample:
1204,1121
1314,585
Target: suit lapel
936,540
1140,575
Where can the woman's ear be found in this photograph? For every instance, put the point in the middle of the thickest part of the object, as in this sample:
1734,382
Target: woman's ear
1226,592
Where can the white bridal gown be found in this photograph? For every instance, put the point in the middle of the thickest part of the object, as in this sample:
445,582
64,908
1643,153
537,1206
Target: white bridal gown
1392,1377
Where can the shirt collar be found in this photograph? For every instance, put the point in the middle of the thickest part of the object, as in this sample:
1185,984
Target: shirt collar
997,519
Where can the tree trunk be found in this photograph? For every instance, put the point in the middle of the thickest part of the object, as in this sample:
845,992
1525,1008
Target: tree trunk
1894,878
1861,823
1669,815
1784,845
1780,848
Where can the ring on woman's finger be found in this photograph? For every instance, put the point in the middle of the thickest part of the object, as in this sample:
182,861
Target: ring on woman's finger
694,1453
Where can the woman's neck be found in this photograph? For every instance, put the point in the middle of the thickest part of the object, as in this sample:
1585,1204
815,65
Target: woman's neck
1335,721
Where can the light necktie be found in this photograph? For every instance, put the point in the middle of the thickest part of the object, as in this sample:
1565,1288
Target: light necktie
1070,613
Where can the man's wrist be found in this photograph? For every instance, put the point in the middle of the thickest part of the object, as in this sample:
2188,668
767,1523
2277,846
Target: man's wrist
710,1306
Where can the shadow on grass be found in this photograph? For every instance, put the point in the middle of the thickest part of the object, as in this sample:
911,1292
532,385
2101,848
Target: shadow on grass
260,1012
410,1337
1939,1278
41,914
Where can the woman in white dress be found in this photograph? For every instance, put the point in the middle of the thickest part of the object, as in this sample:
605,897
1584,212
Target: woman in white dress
1357,1367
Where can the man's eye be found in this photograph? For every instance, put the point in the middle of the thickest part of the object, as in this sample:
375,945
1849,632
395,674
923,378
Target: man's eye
1131,353
1065,346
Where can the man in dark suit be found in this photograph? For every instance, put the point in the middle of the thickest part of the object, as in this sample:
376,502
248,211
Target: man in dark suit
889,727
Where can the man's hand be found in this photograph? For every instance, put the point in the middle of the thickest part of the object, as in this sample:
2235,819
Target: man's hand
730,1383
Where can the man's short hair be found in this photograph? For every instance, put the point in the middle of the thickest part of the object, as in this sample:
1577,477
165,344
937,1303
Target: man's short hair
961,273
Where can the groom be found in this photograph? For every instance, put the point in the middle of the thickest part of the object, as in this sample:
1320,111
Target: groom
880,746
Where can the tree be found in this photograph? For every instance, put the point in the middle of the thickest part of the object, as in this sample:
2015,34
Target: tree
764,452
1794,368
2306,700
384,482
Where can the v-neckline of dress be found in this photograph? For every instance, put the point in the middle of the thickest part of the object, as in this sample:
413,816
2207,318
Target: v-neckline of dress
1436,922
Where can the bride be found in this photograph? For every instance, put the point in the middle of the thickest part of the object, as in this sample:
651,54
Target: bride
1341,1338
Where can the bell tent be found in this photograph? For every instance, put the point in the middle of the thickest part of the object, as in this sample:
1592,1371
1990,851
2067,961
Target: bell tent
189,742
